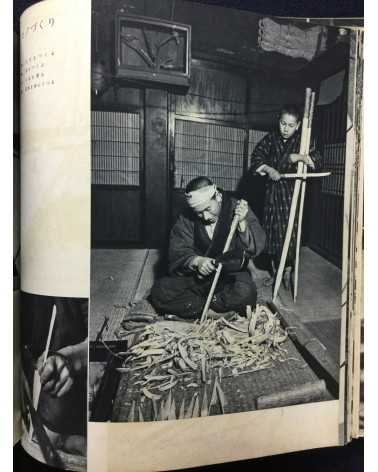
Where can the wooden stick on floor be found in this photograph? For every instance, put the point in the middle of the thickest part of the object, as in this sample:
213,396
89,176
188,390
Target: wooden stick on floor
36,378
302,199
294,201
233,227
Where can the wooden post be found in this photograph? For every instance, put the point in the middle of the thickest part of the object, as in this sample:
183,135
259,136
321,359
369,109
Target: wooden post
156,175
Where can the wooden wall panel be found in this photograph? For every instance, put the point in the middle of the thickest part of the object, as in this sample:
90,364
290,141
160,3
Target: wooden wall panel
127,214
116,215
156,167
214,94
267,94
326,235
101,214
118,98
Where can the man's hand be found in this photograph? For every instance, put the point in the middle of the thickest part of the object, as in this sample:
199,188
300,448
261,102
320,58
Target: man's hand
241,211
306,159
204,265
55,374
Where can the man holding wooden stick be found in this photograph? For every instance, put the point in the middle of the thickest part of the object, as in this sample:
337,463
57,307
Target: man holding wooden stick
197,242
56,352
277,155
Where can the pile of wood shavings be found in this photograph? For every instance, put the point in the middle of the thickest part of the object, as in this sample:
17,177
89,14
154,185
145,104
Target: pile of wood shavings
165,355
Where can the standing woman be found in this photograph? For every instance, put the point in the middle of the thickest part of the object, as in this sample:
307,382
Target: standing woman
278,153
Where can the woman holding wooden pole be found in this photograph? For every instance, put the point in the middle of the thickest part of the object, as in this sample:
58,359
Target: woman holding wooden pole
278,153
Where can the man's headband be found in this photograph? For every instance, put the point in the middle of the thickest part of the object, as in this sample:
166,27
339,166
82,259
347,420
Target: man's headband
198,198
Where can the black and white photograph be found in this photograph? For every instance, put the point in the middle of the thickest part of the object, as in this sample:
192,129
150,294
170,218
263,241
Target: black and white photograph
54,361
217,210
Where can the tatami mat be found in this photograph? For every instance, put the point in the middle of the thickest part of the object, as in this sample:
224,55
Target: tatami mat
114,273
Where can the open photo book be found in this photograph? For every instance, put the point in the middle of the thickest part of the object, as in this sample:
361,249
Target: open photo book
189,272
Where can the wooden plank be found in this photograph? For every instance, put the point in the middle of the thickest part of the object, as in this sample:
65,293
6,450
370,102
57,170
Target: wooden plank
313,351
306,393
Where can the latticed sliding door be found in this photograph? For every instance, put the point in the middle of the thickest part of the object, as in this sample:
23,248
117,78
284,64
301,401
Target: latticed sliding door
212,150
324,218
330,204
116,178
115,148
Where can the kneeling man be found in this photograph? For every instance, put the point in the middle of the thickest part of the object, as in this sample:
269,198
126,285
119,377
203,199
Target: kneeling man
195,248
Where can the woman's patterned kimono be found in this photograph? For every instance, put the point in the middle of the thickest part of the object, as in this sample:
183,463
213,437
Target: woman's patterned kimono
273,151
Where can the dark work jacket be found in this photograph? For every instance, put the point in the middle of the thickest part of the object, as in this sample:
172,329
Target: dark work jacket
189,237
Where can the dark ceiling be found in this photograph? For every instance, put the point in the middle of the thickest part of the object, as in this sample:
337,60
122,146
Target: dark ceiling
297,8
227,34
232,35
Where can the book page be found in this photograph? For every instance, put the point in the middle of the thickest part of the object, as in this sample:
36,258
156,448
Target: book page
55,230
184,138
161,155
55,149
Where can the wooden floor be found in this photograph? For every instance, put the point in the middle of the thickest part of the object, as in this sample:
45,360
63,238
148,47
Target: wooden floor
319,289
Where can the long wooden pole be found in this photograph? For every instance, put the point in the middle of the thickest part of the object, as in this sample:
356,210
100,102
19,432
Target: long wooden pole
301,204
294,201
49,336
36,378
233,227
